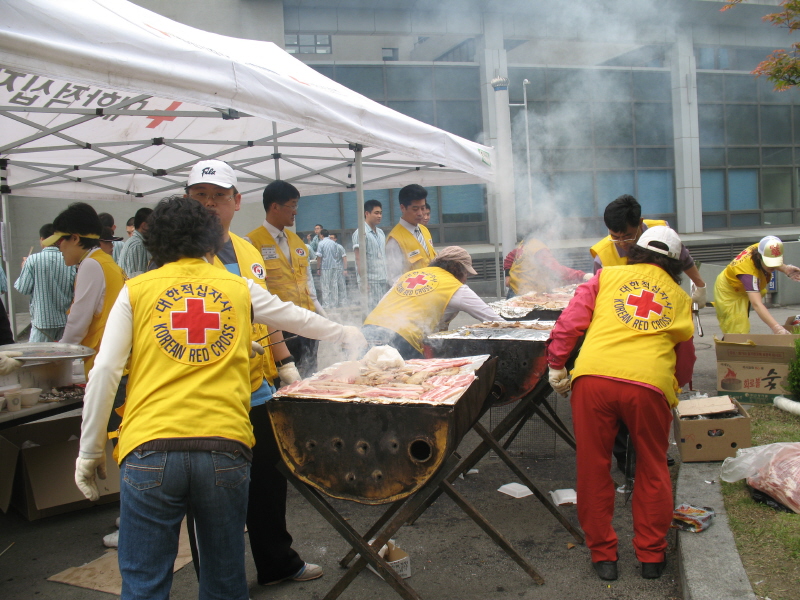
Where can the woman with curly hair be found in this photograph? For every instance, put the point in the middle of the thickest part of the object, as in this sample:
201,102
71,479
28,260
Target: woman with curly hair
185,442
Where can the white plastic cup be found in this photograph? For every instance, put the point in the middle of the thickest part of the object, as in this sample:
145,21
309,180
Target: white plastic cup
13,401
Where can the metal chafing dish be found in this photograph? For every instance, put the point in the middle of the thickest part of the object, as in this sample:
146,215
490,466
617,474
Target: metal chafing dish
375,451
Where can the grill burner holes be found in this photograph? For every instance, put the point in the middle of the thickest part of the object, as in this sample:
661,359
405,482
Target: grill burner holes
350,477
362,448
311,445
420,450
337,444
377,475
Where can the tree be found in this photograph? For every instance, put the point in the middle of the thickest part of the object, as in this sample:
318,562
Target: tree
782,67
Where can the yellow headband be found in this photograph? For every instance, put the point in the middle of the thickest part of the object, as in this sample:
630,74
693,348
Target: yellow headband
59,234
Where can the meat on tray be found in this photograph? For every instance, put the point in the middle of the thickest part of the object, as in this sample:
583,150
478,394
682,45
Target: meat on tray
419,380
513,325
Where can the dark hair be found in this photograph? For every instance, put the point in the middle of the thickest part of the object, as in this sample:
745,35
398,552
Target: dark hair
318,225
371,205
427,206
335,236
180,227
622,213
106,220
279,192
81,219
324,233
673,266
141,216
759,264
456,269
410,193
129,222
46,230
106,235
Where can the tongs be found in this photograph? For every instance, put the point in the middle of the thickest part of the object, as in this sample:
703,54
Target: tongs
696,313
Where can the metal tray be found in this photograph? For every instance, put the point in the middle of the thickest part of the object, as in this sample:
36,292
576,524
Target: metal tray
47,351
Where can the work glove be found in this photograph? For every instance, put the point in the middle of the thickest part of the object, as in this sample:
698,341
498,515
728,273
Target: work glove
86,471
792,272
7,363
288,373
256,348
588,276
780,329
699,296
559,380
353,341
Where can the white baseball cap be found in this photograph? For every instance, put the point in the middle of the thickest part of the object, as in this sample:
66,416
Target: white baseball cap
661,239
212,171
771,250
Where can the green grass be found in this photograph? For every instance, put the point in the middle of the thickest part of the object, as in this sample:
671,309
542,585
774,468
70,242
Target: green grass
767,540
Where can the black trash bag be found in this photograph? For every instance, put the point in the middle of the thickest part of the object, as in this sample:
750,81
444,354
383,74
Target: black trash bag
765,498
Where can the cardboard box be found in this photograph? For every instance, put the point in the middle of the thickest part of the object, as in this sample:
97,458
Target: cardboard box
754,368
711,439
398,559
37,469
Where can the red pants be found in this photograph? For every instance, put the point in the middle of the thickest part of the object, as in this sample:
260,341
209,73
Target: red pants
598,405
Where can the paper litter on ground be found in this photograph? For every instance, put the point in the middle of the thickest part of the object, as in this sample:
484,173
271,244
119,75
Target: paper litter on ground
516,490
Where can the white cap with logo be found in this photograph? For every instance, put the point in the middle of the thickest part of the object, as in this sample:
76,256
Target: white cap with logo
771,250
666,241
215,172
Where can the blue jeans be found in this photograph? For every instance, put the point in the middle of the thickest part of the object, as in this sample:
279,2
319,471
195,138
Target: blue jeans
156,488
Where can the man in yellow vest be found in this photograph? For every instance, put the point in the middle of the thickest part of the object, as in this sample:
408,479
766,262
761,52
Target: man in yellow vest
285,257
186,438
424,301
637,353
98,279
535,269
213,184
409,244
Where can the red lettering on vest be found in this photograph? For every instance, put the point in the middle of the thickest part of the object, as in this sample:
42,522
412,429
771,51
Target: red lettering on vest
195,320
645,304
415,281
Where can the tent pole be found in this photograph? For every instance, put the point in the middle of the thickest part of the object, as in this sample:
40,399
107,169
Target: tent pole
12,315
361,267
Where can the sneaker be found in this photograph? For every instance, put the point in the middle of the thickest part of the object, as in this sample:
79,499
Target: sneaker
307,572
111,540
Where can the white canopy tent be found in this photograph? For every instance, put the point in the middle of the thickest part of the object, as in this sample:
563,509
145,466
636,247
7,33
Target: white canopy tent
102,99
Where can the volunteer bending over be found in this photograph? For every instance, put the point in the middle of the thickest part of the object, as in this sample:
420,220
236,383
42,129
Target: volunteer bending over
637,353
185,439
744,283
425,301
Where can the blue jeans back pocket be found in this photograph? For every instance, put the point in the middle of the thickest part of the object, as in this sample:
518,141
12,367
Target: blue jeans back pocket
231,469
145,470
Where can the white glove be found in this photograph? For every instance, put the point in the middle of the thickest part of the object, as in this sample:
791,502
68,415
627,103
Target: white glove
85,471
699,296
256,348
792,272
588,276
353,341
559,380
780,329
288,373
8,364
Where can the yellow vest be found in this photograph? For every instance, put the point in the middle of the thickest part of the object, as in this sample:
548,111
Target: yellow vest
525,275
743,265
606,249
115,279
416,303
286,278
414,254
252,267
640,315
189,363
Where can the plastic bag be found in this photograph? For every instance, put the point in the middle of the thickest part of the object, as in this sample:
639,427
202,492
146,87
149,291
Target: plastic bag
749,461
692,518
780,479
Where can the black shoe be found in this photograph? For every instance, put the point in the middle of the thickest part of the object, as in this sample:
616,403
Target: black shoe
653,570
670,461
606,569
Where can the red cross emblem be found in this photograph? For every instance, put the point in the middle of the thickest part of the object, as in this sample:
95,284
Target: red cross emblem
415,281
195,320
158,120
645,304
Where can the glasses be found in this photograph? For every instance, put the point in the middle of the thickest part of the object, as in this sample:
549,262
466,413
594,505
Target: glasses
290,205
217,197
627,240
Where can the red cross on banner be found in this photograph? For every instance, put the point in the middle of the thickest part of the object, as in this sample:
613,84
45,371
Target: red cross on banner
158,120
415,281
195,320
645,304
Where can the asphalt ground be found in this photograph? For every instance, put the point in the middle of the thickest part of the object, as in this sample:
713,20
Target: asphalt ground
451,558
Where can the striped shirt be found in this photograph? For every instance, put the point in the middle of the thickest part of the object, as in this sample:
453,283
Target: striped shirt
134,257
117,251
331,254
375,256
49,282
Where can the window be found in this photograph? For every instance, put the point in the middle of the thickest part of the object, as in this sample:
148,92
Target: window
307,43
390,53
